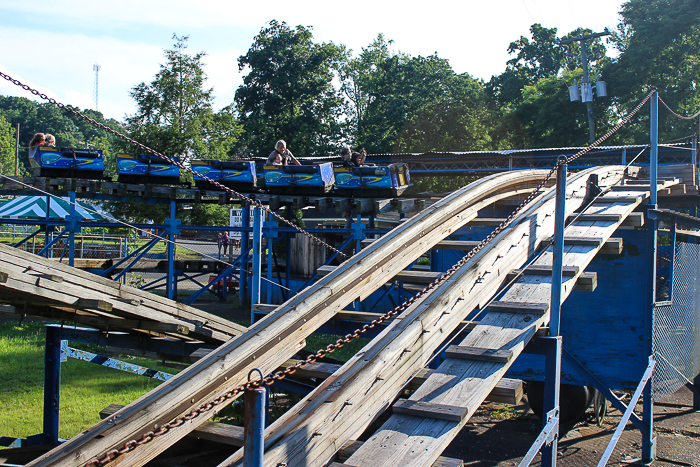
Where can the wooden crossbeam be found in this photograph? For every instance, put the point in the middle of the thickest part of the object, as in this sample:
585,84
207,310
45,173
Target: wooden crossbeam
518,307
480,354
542,270
430,410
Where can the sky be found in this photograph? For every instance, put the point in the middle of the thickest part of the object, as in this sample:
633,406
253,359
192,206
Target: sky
53,45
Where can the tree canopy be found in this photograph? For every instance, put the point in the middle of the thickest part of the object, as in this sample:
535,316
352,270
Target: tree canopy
288,93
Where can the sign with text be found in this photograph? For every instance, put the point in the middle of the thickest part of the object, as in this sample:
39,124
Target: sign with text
236,221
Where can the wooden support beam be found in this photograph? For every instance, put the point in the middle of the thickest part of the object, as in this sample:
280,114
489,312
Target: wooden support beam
364,205
480,354
382,206
518,307
430,410
410,276
541,270
459,245
406,205
342,204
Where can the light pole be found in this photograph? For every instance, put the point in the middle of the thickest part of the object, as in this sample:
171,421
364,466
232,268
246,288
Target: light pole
586,89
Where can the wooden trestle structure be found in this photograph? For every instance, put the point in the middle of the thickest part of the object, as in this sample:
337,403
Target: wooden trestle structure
345,404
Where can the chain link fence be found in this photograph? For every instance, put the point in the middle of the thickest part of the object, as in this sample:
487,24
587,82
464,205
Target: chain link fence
677,319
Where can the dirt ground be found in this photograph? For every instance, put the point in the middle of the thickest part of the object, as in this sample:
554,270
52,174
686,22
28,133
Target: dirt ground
497,436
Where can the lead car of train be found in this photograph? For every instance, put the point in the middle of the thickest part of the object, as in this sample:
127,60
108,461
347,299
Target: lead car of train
246,176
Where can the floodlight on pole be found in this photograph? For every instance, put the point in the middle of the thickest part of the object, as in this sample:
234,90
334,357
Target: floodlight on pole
96,69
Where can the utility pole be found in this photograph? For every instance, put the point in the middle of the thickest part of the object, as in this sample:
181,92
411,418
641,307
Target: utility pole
96,69
586,94
17,151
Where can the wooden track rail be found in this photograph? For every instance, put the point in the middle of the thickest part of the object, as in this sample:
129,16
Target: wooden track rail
346,403
269,342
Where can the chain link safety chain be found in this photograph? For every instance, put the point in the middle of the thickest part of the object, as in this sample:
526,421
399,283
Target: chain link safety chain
252,201
280,375
677,115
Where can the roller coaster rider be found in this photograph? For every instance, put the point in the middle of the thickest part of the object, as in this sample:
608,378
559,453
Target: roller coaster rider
281,155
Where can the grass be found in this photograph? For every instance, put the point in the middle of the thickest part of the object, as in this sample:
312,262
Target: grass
86,388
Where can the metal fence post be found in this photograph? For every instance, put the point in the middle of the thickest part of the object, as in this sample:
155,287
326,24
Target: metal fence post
52,383
254,425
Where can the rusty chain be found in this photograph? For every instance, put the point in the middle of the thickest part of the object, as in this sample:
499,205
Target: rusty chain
247,199
676,114
206,407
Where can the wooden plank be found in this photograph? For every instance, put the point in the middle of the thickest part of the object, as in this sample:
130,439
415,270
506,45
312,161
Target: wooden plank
479,354
430,410
499,306
488,221
613,246
230,435
542,270
88,304
351,447
406,205
409,276
595,218
364,205
269,342
459,245
382,206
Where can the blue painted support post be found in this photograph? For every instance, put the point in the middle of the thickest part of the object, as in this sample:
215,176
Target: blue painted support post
694,152
254,426
173,229
52,384
358,232
271,234
73,225
49,229
552,382
257,252
654,152
648,438
245,244
558,247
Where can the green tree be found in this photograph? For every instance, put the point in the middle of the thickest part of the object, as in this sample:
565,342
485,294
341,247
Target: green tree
399,87
288,92
174,113
355,76
463,119
659,44
7,147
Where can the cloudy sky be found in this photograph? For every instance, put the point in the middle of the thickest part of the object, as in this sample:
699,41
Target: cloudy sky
53,44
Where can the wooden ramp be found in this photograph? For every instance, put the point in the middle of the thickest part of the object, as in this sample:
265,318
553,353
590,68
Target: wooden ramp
269,342
42,287
423,426
342,407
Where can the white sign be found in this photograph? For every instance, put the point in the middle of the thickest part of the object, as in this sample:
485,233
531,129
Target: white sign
236,221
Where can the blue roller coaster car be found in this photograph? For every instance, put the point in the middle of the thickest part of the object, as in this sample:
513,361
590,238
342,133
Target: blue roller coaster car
67,162
233,174
299,179
146,169
379,180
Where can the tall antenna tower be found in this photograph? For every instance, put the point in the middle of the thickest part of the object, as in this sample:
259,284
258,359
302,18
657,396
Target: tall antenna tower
96,69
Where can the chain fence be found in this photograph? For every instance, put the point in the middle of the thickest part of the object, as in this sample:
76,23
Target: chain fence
676,341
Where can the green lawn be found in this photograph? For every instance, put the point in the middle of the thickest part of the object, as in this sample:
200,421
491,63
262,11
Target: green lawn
86,388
